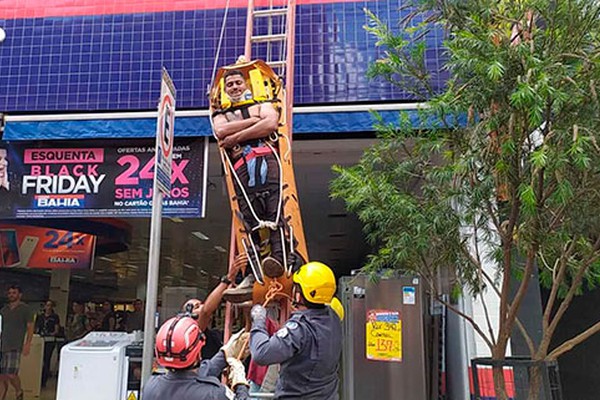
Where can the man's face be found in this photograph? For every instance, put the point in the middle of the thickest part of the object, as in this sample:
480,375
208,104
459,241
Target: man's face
196,304
235,86
77,308
48,306
13,295
297,293
137,306
3,164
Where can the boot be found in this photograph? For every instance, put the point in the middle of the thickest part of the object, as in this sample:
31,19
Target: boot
272,268
242,292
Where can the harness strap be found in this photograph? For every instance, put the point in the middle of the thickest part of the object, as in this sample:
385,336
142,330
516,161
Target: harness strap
254,152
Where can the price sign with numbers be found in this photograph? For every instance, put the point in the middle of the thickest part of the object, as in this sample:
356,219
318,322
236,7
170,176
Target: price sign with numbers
103,179
49,248
384,335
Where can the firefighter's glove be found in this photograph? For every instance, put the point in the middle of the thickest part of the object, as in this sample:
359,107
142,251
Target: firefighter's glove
259,315
235,344
237,373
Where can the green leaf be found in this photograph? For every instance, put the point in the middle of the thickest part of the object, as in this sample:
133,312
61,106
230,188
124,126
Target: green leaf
495,71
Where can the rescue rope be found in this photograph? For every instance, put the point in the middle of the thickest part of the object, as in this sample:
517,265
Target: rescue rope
254,269
271,225
212,81
275,289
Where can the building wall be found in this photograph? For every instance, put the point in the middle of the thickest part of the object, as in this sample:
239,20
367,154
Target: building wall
62,55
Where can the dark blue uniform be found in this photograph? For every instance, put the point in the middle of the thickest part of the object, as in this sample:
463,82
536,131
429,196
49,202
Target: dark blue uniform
203,384
308,348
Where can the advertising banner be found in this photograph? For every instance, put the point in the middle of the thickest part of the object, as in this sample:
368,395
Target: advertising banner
35,247
384,335
98,179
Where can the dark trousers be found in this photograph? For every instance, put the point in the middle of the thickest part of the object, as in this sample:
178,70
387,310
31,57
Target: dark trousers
263,191
48,350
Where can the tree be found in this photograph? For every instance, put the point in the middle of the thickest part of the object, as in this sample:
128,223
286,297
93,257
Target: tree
504,158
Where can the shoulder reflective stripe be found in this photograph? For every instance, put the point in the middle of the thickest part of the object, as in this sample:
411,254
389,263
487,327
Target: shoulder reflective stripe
283,332
291,325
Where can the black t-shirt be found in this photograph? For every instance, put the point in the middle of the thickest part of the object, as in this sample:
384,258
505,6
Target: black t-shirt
45,325
213,344
105,327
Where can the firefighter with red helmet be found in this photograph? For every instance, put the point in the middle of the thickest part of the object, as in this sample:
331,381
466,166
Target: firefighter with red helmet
178,345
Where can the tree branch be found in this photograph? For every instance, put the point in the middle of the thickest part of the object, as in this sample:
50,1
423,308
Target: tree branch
494,217
564,305
480,283
469,320
571,343
518,299
557,281
520,325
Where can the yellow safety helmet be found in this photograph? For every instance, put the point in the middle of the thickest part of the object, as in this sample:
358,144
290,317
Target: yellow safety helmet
337,307
317,282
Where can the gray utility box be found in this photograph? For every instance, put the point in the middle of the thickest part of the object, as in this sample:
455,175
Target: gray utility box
386,347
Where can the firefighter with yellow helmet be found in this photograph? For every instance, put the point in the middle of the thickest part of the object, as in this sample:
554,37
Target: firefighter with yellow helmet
309,345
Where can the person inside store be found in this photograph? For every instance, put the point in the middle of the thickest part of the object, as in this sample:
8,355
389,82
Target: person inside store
244,132
109,321
309,345
78,324
179,342
135,319
203,311
15,340
47,325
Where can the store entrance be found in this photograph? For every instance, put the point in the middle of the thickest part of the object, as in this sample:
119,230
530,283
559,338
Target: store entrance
194,253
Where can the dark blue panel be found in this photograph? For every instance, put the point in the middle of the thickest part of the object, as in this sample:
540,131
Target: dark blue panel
113,62
335,122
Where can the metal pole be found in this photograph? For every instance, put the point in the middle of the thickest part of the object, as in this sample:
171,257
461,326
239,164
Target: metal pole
152,283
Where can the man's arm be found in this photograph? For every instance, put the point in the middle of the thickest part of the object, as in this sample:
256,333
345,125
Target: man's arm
56,326
28,338
276,349
268,122
214,366
224,127
214,298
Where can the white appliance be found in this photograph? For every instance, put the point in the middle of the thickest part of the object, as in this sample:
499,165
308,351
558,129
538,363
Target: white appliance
95,367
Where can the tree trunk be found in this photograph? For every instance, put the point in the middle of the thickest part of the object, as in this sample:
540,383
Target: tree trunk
499,383
536,372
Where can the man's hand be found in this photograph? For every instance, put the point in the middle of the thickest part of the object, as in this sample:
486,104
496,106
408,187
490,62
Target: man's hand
237,373
241,260
234,345
230,141
26,349
258,314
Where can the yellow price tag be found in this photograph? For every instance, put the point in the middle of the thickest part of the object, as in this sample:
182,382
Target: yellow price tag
384,335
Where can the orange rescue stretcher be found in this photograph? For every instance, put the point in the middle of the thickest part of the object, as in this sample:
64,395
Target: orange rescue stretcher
265,86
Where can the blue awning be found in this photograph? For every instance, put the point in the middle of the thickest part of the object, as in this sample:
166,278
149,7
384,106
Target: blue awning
185,126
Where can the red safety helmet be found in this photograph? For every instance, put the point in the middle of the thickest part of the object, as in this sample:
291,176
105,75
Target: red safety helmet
178,343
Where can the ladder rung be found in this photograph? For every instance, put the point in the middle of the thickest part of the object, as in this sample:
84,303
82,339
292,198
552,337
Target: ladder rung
268,38
270,12
276,64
